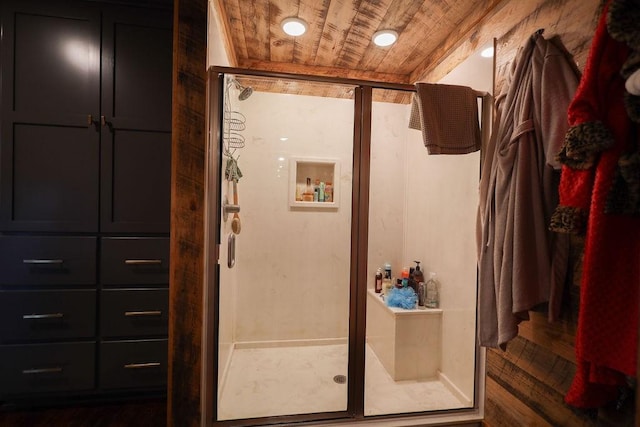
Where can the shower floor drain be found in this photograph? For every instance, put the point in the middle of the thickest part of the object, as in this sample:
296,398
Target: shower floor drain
340,379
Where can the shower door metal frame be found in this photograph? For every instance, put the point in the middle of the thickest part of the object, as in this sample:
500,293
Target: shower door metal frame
363,100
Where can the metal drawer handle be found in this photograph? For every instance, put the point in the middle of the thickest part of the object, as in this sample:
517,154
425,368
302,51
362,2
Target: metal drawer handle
143,313
143,261
42,261
42,371
142,365
43,316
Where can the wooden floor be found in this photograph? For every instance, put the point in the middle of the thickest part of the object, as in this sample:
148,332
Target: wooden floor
139,414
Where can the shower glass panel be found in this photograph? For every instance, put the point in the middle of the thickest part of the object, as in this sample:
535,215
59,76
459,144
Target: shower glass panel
284,286
421,208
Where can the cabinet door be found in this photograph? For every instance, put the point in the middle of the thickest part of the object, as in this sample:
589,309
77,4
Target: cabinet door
136,137
49,57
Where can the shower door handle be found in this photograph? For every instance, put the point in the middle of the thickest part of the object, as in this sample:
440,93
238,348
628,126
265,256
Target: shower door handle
231,250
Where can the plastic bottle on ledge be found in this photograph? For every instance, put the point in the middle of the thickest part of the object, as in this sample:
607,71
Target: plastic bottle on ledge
421,295
432,299
405,277
378,287
387,271
418,275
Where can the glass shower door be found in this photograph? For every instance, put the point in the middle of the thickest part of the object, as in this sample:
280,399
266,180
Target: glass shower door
285,257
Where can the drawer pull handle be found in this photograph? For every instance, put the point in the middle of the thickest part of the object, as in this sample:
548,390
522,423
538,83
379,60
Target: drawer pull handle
43,316
42,261
143,313
143,261
142,365
42,371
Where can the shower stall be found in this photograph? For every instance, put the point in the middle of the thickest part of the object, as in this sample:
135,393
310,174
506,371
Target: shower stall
314,184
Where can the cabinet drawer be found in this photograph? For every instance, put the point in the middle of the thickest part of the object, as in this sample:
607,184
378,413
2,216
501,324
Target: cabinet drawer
134,261
26,260
26,315
133,364
46,367
134,312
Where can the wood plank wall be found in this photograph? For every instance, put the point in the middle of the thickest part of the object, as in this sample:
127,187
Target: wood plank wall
525,384
187,207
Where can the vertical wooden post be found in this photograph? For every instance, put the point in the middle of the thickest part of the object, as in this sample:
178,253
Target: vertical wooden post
187,212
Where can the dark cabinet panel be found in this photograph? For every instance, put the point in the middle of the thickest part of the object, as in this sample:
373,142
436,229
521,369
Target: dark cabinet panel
50,59
31,260
50,62
137,69
73,73
49,181
129,364
134,312
134,261
136,182
31,315
136,101
47,367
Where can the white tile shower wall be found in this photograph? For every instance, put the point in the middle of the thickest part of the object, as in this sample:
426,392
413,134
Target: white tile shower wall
440,222
442,206
387,188
292,265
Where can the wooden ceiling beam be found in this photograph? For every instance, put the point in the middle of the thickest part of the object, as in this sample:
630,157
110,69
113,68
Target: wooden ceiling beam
282,67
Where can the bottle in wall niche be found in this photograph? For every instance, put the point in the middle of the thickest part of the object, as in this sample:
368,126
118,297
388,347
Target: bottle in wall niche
432,299
307,196
328,192
316,191
322,194
378,281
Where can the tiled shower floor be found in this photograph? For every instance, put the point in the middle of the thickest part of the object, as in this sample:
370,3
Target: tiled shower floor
275,381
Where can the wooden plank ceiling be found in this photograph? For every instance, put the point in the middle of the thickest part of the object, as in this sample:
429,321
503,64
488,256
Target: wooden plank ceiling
338,41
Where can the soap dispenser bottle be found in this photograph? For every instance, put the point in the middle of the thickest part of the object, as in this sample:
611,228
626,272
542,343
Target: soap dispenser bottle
418,275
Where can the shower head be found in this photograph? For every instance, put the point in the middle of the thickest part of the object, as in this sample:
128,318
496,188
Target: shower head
245,92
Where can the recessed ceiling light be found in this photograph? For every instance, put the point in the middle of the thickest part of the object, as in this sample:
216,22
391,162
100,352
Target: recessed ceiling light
294,26
385,37
487,53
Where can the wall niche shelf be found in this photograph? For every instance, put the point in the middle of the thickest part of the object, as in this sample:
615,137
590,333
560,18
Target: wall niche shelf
303,171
